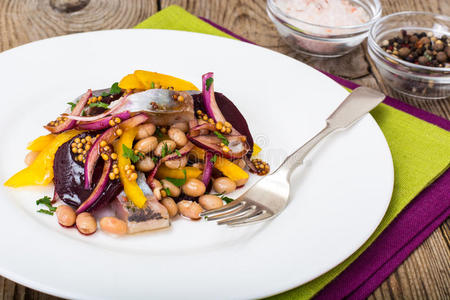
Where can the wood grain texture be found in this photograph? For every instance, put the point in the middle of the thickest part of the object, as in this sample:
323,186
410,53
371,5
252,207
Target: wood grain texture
425,274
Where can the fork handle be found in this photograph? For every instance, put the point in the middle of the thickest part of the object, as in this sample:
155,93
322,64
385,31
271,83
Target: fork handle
296,159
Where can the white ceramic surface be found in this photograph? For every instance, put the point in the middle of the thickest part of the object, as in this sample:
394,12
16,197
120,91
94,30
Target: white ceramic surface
338,199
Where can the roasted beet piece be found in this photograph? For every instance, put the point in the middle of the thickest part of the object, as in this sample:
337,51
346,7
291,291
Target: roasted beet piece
69,179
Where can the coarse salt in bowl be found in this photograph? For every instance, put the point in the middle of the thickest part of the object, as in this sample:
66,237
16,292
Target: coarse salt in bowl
326,28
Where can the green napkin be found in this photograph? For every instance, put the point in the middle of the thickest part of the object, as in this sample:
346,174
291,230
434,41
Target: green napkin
420,150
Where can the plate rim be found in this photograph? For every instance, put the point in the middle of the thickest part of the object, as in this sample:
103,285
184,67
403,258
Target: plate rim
35,284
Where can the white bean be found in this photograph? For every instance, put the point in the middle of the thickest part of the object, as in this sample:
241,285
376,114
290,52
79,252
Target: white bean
178,136
171,206
177,163
224,185
170,147
145,165
210,202
113,225
173,189
145,131
66,215
146,145
194,187
190,209
86,223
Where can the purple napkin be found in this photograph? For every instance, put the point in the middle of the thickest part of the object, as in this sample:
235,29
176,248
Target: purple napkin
411,227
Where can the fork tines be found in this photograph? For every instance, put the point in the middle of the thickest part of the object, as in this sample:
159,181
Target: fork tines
238,213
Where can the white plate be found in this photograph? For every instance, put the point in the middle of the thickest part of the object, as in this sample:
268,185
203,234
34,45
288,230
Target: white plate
338,199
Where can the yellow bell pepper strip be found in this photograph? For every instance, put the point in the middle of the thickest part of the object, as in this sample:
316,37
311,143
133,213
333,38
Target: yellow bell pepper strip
131,82
164,172
228,168
40,172
256,150
41,142
131,188
148,80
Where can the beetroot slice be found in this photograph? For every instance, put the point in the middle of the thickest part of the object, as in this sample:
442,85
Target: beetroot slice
108,136
231,114
99,189
69,178
104,122
69,124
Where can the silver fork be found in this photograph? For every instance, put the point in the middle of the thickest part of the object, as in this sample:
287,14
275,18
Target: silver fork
269,196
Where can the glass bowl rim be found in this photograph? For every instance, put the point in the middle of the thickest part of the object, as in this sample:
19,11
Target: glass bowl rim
277,12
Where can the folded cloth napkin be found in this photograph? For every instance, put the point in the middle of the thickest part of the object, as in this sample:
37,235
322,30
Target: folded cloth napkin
420,152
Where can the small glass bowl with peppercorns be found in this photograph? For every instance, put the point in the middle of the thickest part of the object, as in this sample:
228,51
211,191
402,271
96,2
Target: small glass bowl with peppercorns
412,53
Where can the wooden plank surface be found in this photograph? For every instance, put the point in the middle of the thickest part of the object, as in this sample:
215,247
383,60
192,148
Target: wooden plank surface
425,274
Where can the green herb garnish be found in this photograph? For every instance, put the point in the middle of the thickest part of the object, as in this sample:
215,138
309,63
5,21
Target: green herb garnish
158,132
129,153
165,150
99,104
155,159
153,85
222,138
214,159
167,191
44,211
115,89
177,181
72,105
224,198
178,152
209,81
227,199
47,201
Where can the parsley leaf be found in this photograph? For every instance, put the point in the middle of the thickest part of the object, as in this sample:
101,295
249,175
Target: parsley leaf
158,133
178,152
115,89
165,150
177,181
99,104
213,159
224,198
209,81
167,191
221,137
155,159
129,153
153,85
47,201
72,105
44,211
227,199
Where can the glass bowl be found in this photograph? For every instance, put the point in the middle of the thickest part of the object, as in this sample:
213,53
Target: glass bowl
321,40
417,81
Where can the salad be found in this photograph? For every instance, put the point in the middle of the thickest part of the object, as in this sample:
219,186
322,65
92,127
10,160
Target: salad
147,149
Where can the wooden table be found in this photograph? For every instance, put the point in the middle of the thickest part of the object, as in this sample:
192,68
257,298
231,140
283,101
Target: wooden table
425,274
